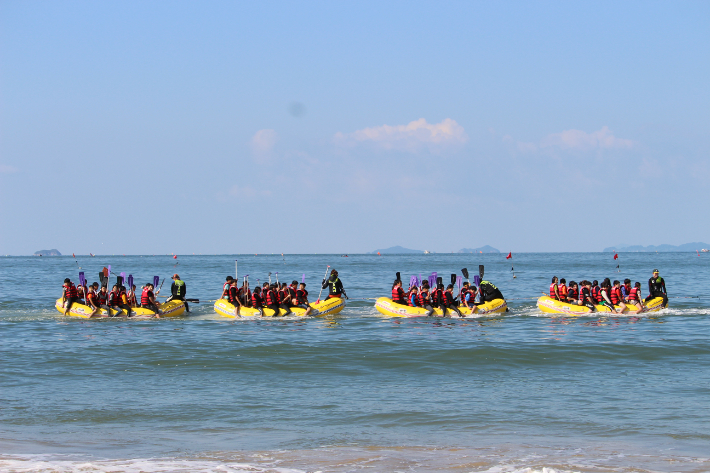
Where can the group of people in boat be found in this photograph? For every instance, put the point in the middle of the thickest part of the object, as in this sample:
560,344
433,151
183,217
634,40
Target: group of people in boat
614,295
443,297
276,296
120,298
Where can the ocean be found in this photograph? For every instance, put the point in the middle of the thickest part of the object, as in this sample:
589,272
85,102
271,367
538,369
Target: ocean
515,392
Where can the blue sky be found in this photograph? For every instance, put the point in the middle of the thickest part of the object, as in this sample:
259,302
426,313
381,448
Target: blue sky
301,127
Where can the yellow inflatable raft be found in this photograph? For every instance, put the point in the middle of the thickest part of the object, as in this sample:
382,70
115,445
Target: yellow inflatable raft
391,309
324,307
551,306
168,309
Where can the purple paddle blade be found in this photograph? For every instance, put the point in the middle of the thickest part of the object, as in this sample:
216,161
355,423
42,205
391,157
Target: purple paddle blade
420,279
156,281
130,281
109,270
303,278
432,281
412,281
459,281
82,279
477,280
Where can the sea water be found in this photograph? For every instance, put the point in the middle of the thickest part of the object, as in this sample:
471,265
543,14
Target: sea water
521,391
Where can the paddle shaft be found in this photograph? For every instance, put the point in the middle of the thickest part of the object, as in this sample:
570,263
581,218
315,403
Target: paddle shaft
321,286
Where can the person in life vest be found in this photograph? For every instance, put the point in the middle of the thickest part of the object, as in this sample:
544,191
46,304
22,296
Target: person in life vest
92,301
284,299
302,298
123,300
148,300
69,295
448,301
423,299
596,292
245,294
468,296
256,301
412,297
114,302
489,292
617,298
233,297
657,288
573,293
585,295
606,295
102,296
272,299
562,290
437,295
626,289
132,296
334,285
80,294
634,296
554,290
225,287
178,289
398,295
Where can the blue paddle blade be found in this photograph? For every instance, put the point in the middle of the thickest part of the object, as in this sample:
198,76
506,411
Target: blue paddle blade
477,280
156,281
82,279
130,281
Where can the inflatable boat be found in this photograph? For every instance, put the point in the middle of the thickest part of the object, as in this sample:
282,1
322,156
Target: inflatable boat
391,309
168,309
552,306
325,307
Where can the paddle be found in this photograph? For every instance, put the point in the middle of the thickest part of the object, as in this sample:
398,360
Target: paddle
480,271
123,277
464,271
398,278
130,281
453,279
303,278
321,286
235,270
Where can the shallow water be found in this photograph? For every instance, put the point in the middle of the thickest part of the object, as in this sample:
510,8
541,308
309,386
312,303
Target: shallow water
356,391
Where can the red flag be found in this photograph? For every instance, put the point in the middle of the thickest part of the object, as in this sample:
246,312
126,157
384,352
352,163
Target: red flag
510,255
616,255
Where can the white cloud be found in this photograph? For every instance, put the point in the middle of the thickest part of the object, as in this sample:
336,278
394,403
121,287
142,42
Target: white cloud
263,141
411,137
580,140
5,169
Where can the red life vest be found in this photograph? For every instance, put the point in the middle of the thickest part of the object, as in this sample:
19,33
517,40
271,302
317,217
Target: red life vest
113,298
584,295
102,298
422,298
70,291
597,294
302,296
146,297
255,300
553,295
448,298
615,295
271,298
436,296
398,295
91,299
634,294
225,290
294,296
572,293
233,295
416,300
132,299
562,289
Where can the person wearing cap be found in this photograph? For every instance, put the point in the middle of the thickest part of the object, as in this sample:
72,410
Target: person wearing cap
178,289
334,285
657,288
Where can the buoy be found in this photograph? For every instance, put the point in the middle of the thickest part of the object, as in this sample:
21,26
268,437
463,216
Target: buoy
174,256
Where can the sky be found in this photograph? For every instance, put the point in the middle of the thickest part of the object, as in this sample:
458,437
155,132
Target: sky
142,127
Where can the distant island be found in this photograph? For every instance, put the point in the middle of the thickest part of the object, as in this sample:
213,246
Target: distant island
48,253
482,249
697,246
397,250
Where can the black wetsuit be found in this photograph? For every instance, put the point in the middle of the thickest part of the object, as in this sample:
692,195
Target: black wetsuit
657,288
335,287
489,292
178,291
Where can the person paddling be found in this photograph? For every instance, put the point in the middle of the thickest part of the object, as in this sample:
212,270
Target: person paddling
334,285
302,298
423,299
468,296
178,289
148,300
448,301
